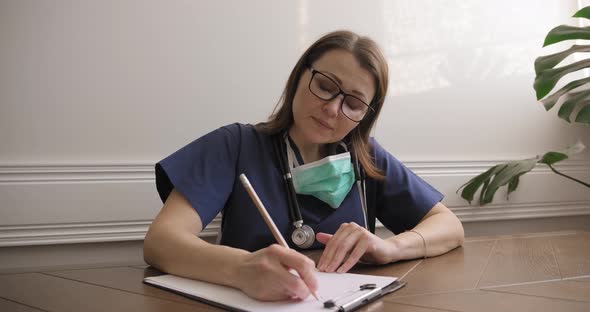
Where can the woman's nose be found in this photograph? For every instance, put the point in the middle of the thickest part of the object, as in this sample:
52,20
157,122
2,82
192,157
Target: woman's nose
332,106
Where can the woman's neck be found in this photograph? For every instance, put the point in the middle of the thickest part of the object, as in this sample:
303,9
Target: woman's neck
309,151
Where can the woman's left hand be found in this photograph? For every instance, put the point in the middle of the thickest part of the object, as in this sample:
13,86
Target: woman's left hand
350,244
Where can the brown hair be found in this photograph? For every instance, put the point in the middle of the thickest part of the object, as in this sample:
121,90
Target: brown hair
368,54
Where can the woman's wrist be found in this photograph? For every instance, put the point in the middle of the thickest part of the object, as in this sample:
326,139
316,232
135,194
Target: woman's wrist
395,247
424,246
407,245
233,270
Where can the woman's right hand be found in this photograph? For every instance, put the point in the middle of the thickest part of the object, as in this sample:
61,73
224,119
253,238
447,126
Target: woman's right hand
264,274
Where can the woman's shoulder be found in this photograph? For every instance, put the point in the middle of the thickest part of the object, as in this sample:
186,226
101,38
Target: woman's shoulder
376,149
236,128
236,131
382,157
240,136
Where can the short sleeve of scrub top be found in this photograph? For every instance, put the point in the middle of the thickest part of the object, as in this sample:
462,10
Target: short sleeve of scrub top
203,171
403,198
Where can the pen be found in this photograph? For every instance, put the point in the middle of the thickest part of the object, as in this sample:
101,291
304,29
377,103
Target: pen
266,216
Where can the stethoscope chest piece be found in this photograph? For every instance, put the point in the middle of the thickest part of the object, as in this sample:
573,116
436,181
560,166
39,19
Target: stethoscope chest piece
303,236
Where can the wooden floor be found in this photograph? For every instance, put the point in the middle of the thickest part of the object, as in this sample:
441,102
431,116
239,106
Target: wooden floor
535,272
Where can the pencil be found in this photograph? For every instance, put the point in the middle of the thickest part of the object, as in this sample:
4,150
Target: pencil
273,228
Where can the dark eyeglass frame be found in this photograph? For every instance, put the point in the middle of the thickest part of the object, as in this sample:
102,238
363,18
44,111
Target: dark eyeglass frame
315,71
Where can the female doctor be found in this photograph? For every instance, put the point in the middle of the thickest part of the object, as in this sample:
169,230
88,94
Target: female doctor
321,177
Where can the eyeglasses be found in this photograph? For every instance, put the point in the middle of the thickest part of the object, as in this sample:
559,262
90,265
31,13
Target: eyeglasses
327,89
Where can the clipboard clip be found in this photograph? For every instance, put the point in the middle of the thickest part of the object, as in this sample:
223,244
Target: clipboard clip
366,298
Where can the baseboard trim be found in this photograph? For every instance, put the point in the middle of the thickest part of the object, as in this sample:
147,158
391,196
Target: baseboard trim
56,234
495,212
60,173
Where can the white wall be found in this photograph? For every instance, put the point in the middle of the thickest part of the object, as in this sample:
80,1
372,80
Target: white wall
93,93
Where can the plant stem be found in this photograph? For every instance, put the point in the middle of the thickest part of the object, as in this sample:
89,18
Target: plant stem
566,176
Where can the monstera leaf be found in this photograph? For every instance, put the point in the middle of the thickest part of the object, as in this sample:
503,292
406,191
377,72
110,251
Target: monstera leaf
576,104
510,172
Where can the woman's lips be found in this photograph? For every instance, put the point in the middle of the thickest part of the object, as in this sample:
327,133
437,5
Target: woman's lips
323,123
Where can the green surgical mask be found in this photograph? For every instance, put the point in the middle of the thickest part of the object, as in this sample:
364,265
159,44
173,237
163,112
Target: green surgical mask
328,179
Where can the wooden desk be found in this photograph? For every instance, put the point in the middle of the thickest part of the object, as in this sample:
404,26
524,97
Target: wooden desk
540,272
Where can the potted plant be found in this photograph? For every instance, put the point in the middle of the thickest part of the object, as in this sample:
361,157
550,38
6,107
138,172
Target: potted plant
574,106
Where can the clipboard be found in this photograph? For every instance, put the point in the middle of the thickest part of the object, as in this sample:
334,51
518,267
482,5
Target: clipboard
342,288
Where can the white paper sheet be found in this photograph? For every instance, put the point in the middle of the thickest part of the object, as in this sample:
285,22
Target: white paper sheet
331,285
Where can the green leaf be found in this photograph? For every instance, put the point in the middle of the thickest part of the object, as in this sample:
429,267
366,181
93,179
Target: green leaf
552,157
549,61
551,100
584,12
509,173
584,115
501,178
573,100
483,188
547,79
565,32
472,185
512,185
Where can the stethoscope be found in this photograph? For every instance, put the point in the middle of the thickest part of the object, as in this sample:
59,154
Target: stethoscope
303,235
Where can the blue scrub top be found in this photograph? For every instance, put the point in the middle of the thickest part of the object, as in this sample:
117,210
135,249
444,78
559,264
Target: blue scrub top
206,172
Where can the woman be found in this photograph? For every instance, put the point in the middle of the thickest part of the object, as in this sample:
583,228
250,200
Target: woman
328,108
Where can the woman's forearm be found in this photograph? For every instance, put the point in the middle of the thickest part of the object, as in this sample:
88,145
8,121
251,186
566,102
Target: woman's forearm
262,275
437,234
185,254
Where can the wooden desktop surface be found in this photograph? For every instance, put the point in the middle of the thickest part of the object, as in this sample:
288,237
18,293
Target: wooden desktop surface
536,272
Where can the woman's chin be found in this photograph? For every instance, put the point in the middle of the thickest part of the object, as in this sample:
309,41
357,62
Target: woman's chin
316,138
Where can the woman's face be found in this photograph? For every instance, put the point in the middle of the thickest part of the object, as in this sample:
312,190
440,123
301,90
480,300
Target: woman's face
317,121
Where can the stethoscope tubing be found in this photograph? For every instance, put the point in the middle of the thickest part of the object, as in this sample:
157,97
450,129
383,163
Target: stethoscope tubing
294,210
